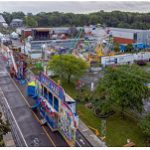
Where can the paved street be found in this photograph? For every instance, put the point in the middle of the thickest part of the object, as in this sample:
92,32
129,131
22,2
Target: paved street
29,130
57,138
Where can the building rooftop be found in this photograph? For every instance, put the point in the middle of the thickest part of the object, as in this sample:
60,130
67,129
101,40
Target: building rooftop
126,30
2,20
17,20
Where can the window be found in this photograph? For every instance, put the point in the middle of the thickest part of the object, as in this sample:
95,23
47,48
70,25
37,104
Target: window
45,93
56,103
50,98
42,93
135,36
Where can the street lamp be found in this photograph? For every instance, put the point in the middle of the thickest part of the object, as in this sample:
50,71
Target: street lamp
43,53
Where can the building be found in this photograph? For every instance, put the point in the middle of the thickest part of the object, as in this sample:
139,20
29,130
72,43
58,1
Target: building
15,23
2,22
130,36
41,34
124,58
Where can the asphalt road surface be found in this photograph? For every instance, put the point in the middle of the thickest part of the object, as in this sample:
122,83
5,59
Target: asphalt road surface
56,136
27,127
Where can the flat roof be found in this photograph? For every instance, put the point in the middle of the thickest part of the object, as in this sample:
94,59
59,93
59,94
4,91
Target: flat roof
42,29
127,30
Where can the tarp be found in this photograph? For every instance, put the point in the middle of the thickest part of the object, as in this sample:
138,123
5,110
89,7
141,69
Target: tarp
14,35
1,35
32,83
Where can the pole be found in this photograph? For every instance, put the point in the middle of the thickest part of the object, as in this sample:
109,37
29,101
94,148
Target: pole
24,42
42,56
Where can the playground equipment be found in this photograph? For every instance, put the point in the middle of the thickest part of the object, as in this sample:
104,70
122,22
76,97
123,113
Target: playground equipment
99,50
78,38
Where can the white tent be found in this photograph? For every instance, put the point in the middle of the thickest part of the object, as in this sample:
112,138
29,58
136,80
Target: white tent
14,35
1,35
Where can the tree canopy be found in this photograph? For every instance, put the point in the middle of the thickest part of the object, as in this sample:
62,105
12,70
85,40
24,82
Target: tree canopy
124,86
129,48
67,66
30,22
145,125
110,19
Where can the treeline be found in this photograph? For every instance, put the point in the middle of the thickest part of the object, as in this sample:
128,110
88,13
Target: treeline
110,19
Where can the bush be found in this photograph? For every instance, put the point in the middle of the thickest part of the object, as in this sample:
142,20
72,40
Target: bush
103,110
141,62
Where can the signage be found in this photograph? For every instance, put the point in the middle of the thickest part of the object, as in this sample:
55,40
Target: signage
56,89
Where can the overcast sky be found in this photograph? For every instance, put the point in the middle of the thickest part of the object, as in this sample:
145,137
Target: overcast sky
75,7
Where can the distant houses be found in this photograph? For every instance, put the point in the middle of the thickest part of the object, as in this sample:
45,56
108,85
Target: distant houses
3,22
15,23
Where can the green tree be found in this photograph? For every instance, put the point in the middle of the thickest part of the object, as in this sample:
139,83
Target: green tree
4,128
145,126
116,47
30,22
67,66
18,15
124,86
129,48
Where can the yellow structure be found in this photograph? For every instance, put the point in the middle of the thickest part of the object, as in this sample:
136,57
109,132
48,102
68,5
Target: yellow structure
99,50
95,131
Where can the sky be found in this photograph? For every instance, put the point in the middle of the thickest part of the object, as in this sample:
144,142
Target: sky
74,6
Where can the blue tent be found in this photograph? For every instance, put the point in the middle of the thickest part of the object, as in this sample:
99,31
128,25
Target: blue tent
139,46
122,47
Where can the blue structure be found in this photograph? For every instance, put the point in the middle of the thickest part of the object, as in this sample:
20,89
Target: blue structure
56,107
136,46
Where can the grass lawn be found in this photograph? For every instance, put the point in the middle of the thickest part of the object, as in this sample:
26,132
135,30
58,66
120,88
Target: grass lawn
117,130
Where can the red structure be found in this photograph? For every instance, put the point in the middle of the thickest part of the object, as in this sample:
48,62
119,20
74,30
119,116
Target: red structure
123,40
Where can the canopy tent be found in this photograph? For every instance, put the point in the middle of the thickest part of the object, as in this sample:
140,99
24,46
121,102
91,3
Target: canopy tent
14,35
1,35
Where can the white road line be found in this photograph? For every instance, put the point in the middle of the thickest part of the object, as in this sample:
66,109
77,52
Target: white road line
14,118
78,143
85,130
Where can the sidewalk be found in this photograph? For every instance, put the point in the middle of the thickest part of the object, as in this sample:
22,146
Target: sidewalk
90,136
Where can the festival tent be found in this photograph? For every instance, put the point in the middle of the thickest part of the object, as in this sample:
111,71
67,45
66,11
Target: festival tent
14,35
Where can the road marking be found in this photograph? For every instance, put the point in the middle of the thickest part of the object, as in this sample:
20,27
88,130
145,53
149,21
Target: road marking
81,140
44,129
85,130
78,143
49,137
14,118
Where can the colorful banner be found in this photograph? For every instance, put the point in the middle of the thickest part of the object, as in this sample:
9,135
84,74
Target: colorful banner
56,89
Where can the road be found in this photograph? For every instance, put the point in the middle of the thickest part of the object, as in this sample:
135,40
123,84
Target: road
80,140
26,128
